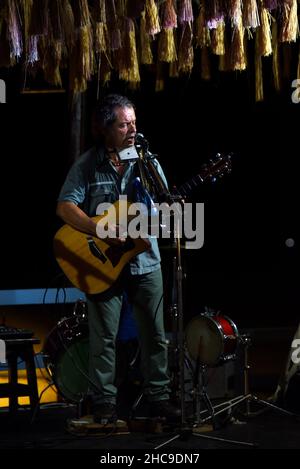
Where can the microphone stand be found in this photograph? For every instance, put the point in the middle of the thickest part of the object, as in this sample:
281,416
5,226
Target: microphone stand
153,182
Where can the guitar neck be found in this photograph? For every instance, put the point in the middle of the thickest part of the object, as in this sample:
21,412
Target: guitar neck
192,184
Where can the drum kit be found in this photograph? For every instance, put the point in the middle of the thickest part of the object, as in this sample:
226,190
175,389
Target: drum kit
210,339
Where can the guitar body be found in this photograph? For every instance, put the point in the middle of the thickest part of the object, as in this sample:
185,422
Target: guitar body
92,264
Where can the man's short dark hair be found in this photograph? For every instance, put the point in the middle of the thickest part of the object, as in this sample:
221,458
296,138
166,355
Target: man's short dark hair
105,112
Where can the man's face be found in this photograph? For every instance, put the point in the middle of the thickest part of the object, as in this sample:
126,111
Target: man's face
122,132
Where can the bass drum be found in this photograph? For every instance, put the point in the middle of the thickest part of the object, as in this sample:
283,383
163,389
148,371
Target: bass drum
66,357
211,339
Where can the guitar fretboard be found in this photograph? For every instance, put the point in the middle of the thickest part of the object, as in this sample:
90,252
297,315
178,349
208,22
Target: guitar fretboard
190,185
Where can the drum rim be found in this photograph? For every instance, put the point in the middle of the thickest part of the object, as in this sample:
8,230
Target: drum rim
232,323
56,328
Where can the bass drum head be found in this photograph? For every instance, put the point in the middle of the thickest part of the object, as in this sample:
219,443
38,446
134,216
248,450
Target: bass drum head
70,374
203,340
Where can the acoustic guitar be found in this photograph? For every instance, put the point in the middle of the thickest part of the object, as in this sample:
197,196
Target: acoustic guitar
92,264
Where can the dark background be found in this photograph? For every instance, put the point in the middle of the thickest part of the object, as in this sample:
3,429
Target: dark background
244,268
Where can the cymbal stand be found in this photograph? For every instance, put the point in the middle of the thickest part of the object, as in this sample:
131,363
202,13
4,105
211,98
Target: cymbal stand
247,397
246,342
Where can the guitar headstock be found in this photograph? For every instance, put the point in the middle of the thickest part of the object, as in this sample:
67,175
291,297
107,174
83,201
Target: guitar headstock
217,167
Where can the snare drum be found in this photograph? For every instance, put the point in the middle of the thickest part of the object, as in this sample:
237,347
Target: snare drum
211,339
66,357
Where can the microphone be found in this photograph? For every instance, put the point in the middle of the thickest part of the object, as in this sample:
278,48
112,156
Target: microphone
140,140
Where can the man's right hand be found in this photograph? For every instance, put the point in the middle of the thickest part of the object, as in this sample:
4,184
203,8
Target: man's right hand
117,235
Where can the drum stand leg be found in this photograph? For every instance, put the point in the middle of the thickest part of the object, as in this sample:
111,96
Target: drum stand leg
246,342
247,398
200,395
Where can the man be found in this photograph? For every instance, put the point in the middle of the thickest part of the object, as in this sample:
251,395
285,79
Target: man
99,176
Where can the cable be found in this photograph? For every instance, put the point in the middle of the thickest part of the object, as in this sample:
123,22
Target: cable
60,274
35,410
46,378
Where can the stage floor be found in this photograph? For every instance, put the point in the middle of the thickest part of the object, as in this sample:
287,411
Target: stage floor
271,429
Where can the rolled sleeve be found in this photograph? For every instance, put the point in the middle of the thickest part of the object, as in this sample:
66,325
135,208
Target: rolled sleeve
74,187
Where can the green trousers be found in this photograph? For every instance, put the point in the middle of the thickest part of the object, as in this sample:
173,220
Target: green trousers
145,292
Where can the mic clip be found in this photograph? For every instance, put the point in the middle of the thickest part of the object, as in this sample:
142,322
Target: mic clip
141,142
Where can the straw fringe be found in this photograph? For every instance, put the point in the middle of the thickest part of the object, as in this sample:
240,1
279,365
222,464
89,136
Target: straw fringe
259,91
146,56
166,46
186,51
290,28
238,57
275,62
202,35
54,34
152,19
264,33
218,39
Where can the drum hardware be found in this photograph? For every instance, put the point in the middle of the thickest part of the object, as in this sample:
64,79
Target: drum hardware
211,341
65,355
246,398
200,395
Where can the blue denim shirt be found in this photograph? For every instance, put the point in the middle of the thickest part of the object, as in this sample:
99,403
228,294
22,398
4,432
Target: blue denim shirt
93,180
